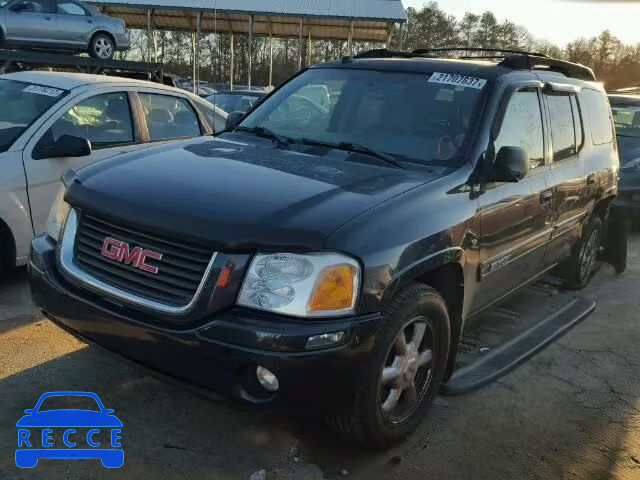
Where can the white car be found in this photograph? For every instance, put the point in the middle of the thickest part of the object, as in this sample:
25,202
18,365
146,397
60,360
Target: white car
53,122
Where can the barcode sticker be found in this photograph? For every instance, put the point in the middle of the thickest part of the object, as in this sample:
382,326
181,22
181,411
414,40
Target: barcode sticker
458,80
40,90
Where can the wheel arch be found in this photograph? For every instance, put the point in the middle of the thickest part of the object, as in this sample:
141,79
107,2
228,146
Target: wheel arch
444,272
105,32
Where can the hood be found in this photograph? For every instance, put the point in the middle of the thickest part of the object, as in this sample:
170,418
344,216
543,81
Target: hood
238,192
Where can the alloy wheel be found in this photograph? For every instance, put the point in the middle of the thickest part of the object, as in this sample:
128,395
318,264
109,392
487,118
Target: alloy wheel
103,48
407,372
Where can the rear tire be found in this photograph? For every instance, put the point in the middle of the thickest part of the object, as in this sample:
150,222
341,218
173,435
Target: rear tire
580,268
102,47
395,394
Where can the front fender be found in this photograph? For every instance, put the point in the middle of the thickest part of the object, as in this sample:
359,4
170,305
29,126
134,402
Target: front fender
421,267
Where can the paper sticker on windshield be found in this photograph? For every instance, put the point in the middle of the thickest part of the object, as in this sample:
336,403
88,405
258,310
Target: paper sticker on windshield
457,80
40,90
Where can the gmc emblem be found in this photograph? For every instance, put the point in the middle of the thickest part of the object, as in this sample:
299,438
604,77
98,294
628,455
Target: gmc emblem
137,257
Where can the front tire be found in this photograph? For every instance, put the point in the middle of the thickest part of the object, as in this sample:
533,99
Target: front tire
407,368
102,46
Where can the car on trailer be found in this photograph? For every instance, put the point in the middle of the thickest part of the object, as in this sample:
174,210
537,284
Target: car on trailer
61,25
327,258
51,122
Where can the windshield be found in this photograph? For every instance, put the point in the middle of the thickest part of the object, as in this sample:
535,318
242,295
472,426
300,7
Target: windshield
233,103
626,116
414,117
22,104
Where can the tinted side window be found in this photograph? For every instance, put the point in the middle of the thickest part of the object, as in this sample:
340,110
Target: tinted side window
35,6
169,117
563,134
598,112
104,119
522,126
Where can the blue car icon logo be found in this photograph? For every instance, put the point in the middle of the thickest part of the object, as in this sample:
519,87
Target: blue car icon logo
90,432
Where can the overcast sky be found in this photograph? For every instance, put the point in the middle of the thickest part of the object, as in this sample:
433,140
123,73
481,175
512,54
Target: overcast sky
559,21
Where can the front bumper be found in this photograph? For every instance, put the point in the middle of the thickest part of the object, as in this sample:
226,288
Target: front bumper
220,355
123,41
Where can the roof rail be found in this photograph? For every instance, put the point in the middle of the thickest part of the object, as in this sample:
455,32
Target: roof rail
385,53
515,59
427,51
535,62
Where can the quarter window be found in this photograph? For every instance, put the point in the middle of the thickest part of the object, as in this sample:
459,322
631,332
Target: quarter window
104,120
169,117
563,132
599,113
522,126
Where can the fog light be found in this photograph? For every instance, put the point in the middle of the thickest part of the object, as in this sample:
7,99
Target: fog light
324,340
267,379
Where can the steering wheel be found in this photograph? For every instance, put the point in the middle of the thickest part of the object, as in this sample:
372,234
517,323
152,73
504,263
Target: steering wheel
439,130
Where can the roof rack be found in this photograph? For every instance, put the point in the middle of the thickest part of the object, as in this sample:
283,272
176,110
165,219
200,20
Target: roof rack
426,51
533,62
515,59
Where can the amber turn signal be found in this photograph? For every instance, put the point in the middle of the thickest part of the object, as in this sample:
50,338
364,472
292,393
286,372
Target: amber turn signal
334,289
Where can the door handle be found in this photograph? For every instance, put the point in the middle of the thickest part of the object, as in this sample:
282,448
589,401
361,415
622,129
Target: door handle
591,179
546,197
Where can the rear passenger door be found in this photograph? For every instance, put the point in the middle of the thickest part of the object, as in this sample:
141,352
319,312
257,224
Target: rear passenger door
575,187
516,217
74,23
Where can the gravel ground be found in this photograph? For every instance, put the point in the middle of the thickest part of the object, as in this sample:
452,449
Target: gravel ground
572,412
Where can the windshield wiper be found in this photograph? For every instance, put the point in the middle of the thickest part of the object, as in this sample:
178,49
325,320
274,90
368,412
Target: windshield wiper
281,141
357,148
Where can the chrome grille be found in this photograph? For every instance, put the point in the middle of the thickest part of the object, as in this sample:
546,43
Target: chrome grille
180,271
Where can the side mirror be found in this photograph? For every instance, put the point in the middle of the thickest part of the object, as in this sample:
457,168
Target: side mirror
512,164
233,119
66,146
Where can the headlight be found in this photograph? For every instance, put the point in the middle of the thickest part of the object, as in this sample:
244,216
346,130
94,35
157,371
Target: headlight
312,285
58,214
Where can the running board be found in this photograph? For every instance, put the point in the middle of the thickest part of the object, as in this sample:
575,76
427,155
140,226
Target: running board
506,357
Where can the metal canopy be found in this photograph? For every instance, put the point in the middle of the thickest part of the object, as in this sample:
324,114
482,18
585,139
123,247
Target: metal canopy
350,20
372,20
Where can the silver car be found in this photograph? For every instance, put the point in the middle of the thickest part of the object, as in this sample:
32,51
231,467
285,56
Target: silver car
61,25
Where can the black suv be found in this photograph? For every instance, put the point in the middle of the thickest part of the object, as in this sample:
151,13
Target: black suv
327,256
626,116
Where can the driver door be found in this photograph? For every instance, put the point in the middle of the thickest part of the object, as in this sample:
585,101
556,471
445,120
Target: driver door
31,22
516,218
105,119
